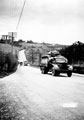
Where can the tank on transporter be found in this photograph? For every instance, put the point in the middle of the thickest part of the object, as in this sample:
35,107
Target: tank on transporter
55,63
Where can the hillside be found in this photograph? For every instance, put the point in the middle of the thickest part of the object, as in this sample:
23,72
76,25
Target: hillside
40,46
7,48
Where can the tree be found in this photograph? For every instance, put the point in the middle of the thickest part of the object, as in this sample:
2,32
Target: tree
74,53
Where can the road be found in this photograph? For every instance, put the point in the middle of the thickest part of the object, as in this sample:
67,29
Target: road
35,96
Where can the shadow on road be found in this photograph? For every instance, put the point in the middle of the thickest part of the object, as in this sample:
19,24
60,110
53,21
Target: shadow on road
61,75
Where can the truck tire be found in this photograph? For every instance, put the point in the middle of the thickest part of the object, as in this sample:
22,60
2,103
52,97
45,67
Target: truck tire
44,70
69,74
53,72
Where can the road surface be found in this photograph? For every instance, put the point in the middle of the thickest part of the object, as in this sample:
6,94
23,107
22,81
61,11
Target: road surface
35,96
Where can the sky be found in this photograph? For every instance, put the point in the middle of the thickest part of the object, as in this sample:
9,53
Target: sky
51,21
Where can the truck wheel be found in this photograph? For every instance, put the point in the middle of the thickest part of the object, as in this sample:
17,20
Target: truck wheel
44,70
69,74
54,72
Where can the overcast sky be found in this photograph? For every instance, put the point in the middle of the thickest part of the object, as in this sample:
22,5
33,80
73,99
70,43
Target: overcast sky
52,21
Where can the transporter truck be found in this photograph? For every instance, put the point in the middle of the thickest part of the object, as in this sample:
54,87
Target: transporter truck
55,63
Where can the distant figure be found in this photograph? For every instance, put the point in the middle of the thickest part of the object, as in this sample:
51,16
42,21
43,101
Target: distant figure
21,57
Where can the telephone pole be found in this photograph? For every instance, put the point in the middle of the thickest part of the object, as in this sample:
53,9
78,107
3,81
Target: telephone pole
12,35
12,42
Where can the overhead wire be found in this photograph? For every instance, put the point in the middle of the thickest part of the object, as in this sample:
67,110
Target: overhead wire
21,14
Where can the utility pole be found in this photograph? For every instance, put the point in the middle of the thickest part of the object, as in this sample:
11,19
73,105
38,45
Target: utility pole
12,35
6,38
12,42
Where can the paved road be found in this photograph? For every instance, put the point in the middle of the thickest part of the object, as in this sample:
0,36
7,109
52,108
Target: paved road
43,97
